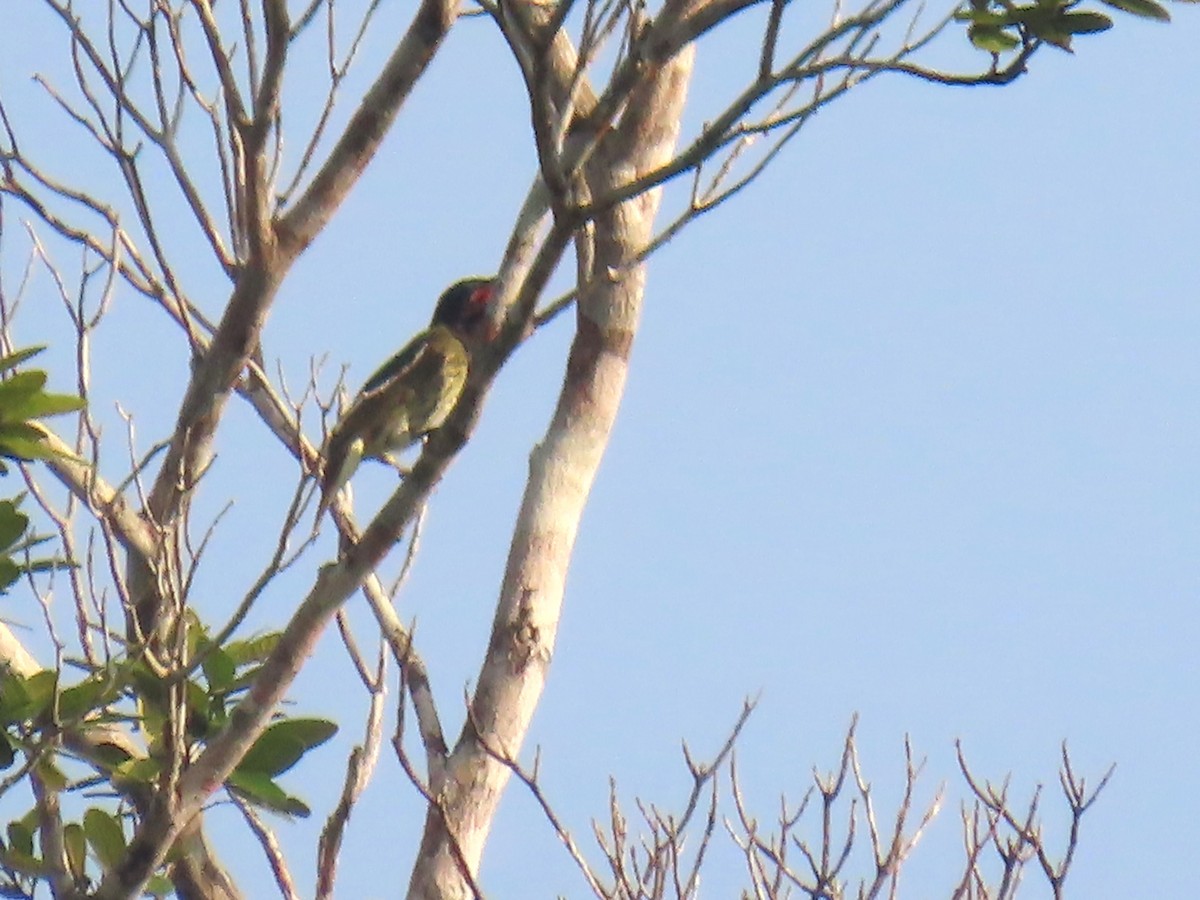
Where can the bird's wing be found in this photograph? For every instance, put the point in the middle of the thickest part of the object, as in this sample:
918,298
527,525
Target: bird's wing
394,368
403,399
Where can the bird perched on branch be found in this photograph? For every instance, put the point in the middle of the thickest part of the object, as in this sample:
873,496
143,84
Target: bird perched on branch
412,393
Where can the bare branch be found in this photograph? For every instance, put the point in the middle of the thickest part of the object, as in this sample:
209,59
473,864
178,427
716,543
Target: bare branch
359,767
364,133
270,847
337,73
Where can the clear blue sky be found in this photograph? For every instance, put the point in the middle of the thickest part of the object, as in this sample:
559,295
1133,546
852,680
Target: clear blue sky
910,432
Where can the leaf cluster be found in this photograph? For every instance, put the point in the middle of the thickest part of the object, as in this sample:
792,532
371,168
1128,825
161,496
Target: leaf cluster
23,401
36,711
1000,26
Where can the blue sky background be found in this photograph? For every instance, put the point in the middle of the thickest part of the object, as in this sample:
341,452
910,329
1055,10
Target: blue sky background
910,432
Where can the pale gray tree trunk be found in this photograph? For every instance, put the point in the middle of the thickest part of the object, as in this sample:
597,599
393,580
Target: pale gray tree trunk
562,469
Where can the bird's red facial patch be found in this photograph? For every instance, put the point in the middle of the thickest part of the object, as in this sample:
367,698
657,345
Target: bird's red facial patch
481,296
477,312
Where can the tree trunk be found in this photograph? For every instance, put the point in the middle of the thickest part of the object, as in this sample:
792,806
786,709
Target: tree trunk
562,469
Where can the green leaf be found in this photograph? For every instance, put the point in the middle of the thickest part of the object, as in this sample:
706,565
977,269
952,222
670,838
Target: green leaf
262,791
23,699
20,837
148,683
20,440
107,755
219,669
9,573
243,681
42,687
8,754
18,387
78,700
1084,23
33,540
47,565
197,633
1147,9
1033,17
52,776
983,17
160,886
41,405
137,770
255,649
991,38
153,721
1055,37
17,357
282,744
13,523
105,835
205,715
75,843
23,863
32,819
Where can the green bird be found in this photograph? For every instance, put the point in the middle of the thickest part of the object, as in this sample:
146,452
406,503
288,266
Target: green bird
412,393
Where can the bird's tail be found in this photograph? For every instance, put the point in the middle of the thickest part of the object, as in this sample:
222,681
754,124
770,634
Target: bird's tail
341,460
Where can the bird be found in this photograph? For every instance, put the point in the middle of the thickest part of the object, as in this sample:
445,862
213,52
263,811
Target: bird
412,393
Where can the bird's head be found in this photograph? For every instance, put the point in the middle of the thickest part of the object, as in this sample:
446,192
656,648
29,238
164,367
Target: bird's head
463,307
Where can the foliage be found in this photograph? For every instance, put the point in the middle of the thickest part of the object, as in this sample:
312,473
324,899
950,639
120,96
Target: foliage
1000,26
23,402
204,706
36,711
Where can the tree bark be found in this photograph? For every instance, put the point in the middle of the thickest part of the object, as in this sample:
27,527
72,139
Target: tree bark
562,469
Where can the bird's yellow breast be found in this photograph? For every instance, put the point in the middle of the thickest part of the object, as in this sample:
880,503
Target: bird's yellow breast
448,373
